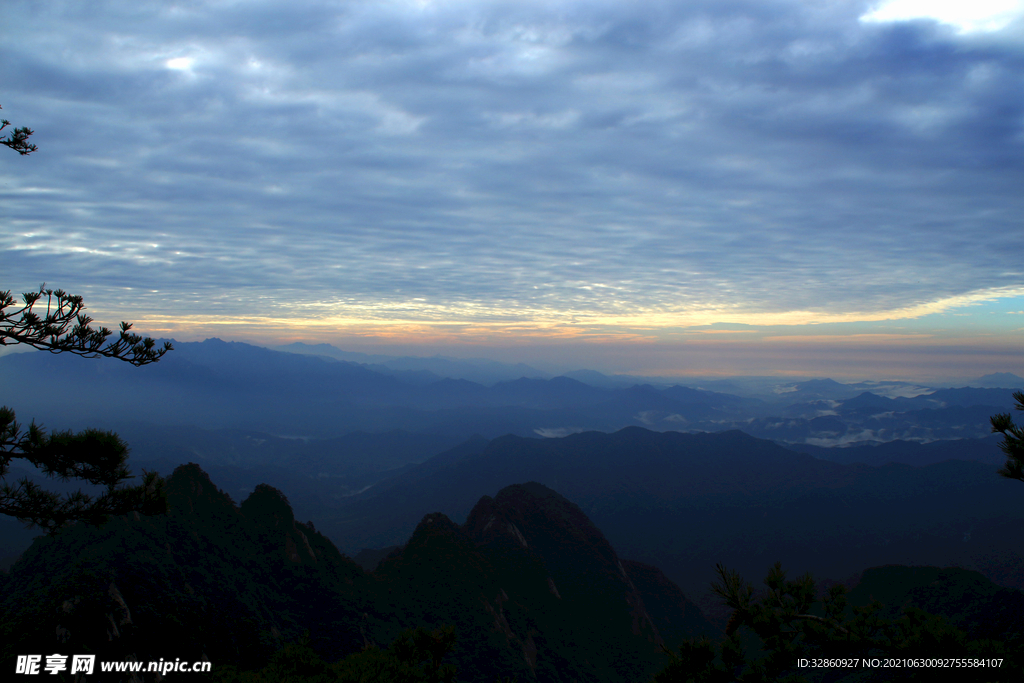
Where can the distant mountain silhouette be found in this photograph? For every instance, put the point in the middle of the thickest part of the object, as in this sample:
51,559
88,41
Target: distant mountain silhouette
999,380
216,384
817,389
478,370
230,385
870,401
597,379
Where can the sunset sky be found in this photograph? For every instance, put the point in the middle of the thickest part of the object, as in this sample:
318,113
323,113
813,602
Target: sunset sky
805,187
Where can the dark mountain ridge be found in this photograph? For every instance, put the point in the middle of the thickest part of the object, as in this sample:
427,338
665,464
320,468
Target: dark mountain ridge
532,587
675,500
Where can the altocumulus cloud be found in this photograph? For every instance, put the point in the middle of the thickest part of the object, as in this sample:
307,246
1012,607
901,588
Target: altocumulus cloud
634,164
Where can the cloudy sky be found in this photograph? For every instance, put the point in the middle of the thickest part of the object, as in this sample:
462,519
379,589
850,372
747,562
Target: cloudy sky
712,186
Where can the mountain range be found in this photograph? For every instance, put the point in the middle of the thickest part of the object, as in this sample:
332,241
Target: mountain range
533,588
229,385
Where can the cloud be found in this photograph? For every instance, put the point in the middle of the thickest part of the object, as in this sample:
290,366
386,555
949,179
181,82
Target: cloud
622,165
973,17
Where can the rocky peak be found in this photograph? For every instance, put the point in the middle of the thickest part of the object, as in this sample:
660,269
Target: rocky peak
536,529
268,507
194,502
534,517
190,491
438,540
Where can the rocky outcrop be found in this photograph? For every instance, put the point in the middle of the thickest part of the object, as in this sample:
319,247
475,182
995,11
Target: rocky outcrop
558,536
674,615
197,581
529,569
101,622
272,514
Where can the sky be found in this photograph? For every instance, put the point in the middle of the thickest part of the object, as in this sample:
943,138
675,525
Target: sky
799,187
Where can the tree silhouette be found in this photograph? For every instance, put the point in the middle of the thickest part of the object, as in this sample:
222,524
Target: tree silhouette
65,328
1013,441
92,455
791,626
17,139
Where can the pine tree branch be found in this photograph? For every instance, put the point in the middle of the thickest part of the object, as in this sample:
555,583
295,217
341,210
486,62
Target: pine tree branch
17,139
64,328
